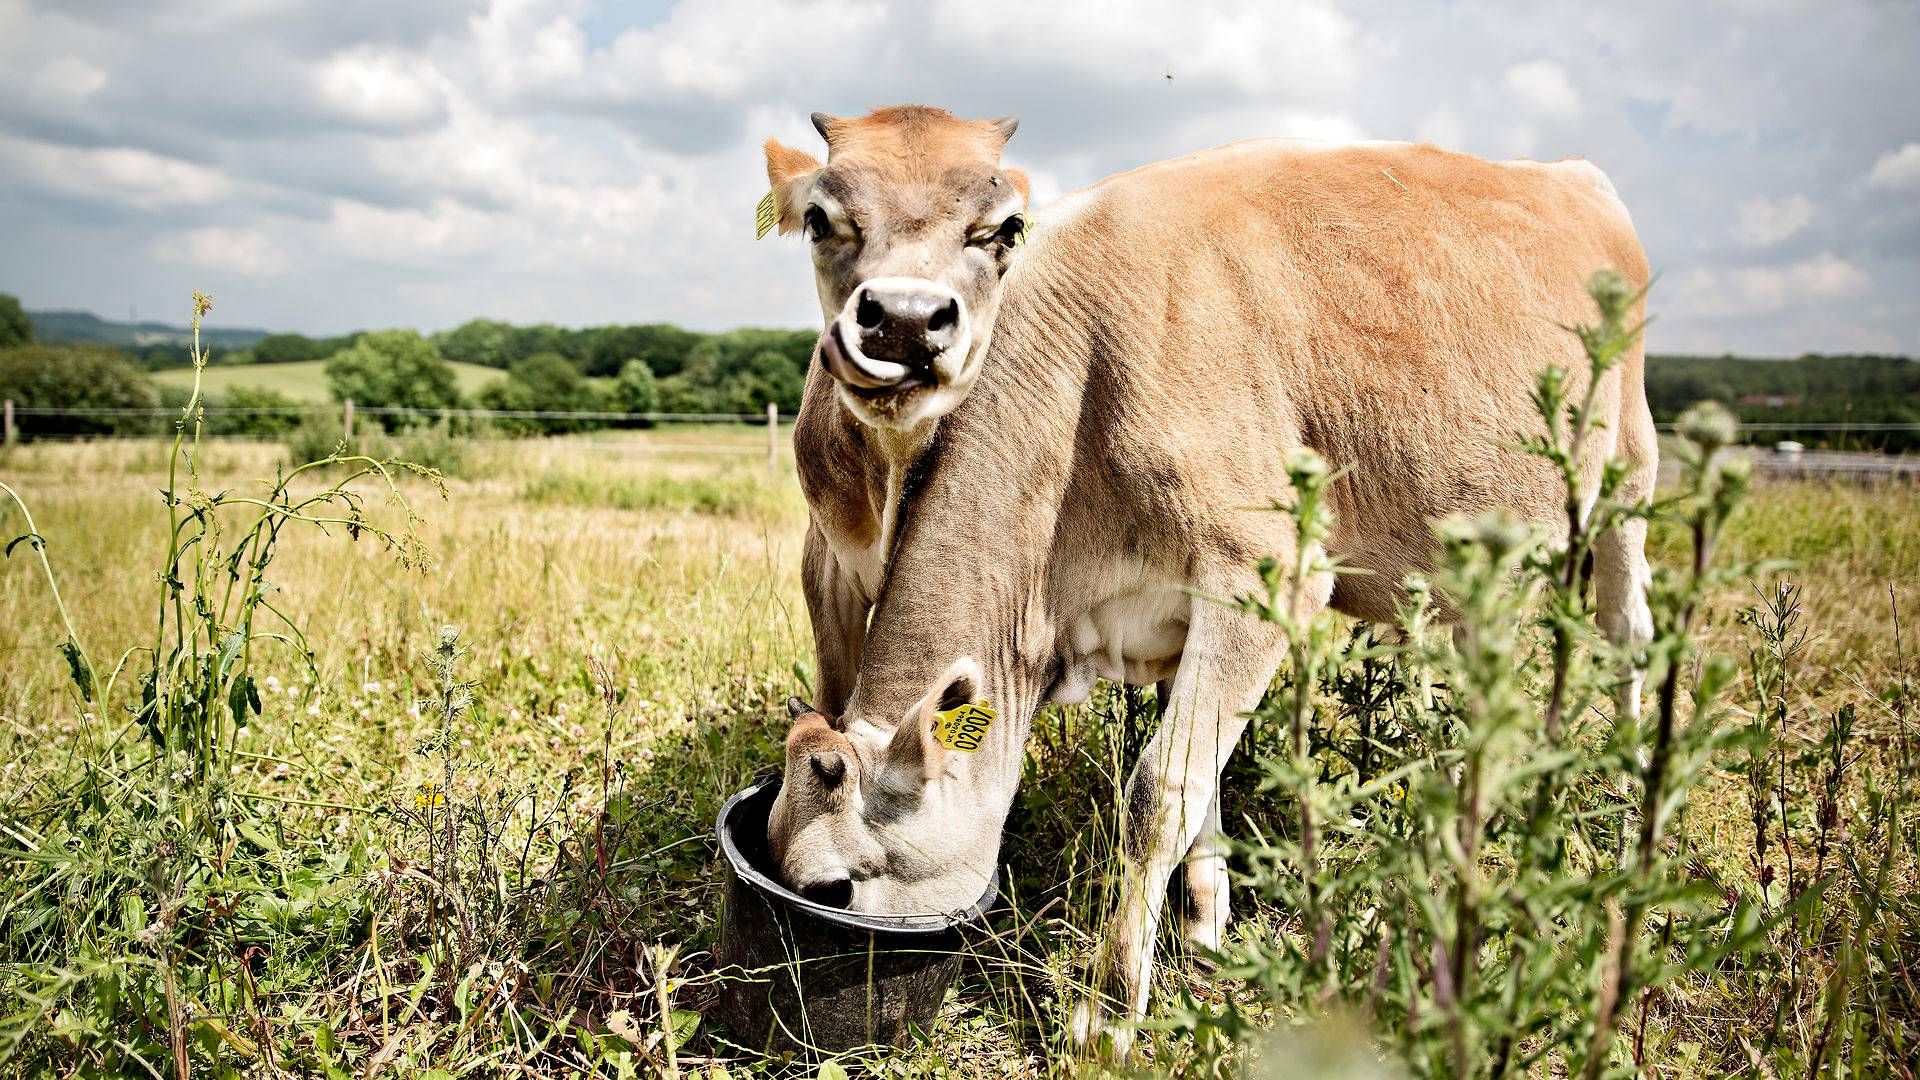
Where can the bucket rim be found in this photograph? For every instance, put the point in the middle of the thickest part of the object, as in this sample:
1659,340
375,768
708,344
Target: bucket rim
903,925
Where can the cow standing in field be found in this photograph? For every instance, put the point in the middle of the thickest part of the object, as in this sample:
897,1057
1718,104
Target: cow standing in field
1082,431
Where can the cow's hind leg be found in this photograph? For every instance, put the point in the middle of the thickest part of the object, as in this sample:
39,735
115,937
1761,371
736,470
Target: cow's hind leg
1620,580
1225,666
1208,887
1621,576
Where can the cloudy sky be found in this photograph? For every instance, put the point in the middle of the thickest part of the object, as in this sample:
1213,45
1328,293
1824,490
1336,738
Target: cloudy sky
325,165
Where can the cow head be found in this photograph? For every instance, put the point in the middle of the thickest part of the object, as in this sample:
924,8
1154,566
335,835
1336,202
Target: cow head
913,223
885,819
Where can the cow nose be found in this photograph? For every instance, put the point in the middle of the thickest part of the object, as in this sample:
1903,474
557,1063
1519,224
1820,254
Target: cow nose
906,325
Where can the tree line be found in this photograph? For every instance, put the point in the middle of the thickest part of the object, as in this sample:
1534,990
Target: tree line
659,367
1814,389
633,369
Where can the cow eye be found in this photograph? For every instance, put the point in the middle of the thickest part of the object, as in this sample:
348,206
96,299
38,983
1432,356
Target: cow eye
1006,235
818,227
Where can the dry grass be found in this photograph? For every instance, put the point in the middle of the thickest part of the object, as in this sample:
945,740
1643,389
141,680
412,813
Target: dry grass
679,571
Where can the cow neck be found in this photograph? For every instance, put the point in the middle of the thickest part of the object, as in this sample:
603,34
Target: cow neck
904,454
974,536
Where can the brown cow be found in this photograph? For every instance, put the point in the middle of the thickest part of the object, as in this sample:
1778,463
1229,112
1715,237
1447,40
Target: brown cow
1048,512
911,228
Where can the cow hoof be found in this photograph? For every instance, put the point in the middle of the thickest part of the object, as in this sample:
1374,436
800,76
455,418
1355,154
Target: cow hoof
1093,1031
1203,935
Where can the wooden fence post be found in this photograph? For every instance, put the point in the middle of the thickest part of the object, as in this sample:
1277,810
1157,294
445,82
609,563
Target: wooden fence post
346,420
6,423
773,438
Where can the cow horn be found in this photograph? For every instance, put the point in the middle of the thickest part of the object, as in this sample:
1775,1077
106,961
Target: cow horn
797,708
823,124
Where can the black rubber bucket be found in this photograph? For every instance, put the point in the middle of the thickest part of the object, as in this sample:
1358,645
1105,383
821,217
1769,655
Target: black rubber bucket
805,977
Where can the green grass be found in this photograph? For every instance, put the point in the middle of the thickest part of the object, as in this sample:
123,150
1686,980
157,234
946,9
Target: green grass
631,622
305,381
730,492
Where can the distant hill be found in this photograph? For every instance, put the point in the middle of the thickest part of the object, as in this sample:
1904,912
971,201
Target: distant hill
74,327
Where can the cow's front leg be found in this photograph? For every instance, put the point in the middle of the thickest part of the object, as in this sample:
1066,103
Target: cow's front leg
837,608
1225,667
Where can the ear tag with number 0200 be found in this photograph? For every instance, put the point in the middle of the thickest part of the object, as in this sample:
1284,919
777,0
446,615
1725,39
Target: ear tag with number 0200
963,728
765,216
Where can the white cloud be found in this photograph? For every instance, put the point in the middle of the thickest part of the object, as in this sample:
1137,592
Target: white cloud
1301,49
1897,169
1765,222
115,174
1825,276
1544,87
381,88
68,78
580,161
1442,127
427,236
726,49
242,251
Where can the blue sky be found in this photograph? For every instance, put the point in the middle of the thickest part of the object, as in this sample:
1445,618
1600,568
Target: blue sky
325,166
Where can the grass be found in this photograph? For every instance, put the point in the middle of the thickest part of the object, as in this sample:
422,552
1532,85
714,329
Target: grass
629,622
304,381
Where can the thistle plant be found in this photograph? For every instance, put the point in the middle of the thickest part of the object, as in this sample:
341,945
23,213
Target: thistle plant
1456,863
169,864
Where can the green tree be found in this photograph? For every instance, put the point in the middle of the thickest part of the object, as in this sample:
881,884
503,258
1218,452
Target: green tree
164,354
15,327
77,377
396,368
285,349
479,341
636,390
546,382
766,376
681,394
736,372
255,412
527,341
662,346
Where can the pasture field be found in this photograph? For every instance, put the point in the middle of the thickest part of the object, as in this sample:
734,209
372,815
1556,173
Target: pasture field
304,381
630,621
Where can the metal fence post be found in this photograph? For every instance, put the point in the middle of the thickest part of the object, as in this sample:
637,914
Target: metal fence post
346,419
6,423
773,438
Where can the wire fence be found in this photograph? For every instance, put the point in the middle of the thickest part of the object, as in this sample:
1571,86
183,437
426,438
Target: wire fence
1785,459
425,414
348,408
273,423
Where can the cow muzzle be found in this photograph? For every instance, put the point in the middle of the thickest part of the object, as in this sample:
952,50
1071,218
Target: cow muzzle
897,334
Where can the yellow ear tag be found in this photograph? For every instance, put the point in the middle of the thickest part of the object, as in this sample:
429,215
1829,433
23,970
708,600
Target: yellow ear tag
765,216
963,728
1026,228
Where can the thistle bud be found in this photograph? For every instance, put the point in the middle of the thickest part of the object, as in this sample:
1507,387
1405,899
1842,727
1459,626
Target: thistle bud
1611,294
1709,426
1305,468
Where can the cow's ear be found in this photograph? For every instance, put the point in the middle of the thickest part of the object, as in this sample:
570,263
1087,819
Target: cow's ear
790,173
914,745
1020,184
